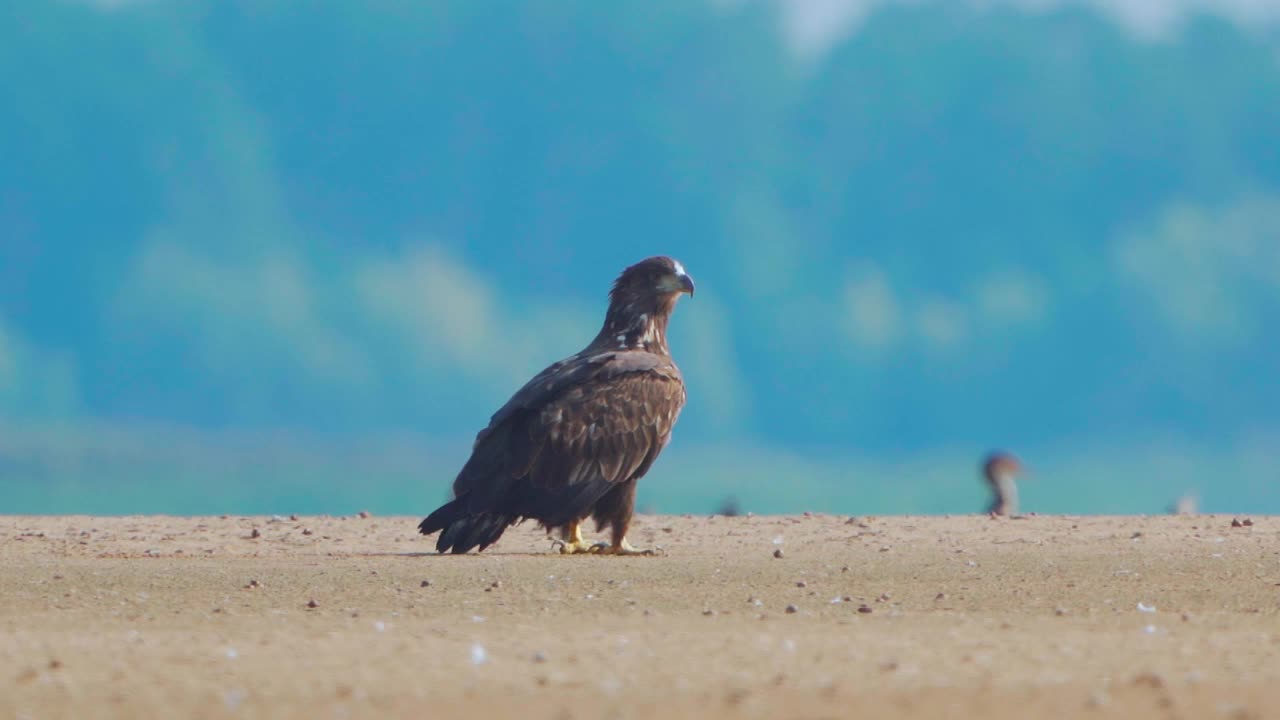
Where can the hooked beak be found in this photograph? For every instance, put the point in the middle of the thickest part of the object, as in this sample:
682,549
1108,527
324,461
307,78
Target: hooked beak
686,284
676,283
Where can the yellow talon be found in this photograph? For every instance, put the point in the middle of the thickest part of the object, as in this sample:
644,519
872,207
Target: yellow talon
622,548
572,548
573,542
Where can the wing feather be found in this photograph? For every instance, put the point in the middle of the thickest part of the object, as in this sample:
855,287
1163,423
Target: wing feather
572,433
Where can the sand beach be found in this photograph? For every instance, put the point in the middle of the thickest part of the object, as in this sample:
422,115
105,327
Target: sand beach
815,616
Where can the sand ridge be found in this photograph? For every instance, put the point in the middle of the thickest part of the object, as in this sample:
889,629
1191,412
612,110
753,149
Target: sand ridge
964,616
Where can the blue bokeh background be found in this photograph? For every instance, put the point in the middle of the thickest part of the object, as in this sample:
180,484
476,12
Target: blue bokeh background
263,256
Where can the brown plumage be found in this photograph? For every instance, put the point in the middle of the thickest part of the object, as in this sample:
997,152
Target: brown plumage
573,442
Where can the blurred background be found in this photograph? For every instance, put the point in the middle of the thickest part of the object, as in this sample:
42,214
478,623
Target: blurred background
261,256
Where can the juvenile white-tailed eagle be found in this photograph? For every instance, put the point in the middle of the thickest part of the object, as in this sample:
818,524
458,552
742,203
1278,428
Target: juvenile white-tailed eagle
574,441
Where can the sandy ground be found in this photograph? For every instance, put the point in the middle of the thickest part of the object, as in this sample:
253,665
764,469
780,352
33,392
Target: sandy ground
336,617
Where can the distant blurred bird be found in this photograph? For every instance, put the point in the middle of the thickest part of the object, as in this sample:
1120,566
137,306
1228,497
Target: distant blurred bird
729,507
575,440
1000,469
1188,504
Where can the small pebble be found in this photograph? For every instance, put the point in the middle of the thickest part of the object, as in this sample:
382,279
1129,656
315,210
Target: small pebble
255,534
778,553
306,531
792,609
364,514
1148,679
802,584
708,613
233,698
252,584
864,609
1059,611
539,657
940,596
312,604
293,518
425,583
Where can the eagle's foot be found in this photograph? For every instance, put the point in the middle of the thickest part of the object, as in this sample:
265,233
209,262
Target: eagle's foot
573,542
623,548
573,547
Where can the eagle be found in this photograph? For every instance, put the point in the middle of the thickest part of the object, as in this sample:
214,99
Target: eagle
574,441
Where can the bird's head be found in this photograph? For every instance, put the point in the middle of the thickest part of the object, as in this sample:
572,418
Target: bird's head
641,302
659,278
1001,464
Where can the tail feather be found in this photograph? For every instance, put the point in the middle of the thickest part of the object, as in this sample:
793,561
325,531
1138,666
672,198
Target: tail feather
461,530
